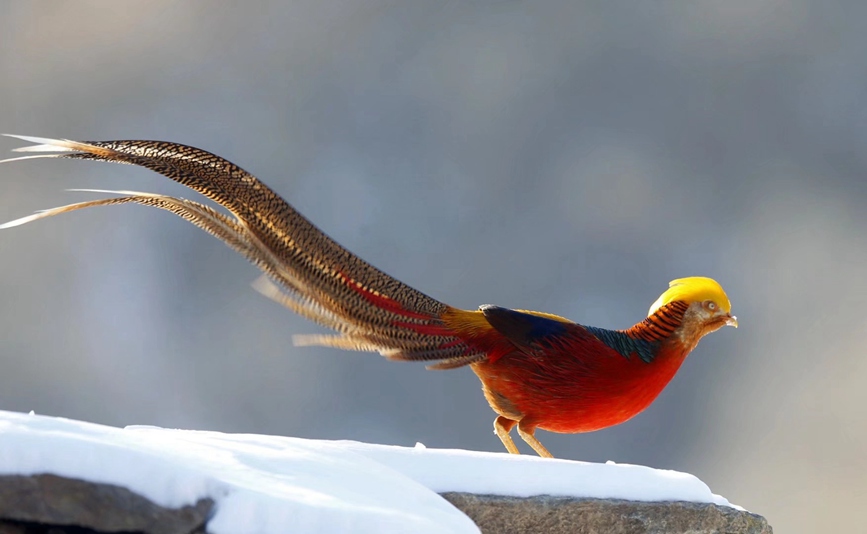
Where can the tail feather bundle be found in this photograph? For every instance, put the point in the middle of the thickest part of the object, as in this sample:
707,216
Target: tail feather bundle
305,270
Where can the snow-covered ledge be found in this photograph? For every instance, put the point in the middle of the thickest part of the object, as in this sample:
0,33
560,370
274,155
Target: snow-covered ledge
266,484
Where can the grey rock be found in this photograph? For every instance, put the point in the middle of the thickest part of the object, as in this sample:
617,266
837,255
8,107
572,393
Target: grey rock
49,504
28,502
11,528
562,515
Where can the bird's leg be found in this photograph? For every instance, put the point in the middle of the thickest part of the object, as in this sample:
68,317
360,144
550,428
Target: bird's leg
502,426
526,432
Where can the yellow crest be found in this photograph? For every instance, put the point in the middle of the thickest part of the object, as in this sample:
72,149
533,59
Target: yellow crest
693,289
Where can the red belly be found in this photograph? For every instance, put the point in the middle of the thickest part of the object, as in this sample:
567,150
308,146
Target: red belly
581,399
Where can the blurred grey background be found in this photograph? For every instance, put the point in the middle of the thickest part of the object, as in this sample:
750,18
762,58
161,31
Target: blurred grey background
570,157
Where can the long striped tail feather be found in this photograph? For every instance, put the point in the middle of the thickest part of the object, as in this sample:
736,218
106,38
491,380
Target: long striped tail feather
305,270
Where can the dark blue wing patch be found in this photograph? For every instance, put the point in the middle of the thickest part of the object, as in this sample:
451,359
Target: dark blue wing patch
522,329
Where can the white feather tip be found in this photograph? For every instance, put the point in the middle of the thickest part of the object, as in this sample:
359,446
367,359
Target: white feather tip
44,144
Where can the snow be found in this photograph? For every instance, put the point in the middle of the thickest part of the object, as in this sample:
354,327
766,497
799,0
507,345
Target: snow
271,484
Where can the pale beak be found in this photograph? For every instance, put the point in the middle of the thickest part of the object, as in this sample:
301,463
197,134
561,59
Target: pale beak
731,320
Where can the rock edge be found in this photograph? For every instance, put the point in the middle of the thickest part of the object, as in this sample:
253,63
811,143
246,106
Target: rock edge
28,503
46,503
570,515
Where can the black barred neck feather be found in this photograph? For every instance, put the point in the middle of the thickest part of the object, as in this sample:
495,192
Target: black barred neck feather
643,340
662,323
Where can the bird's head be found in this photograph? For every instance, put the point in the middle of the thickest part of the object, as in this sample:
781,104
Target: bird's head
708,307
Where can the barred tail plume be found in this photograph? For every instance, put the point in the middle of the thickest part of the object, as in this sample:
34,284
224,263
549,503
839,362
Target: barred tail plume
305,270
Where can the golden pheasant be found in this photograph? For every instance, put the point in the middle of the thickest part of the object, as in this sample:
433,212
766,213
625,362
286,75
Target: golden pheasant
537,370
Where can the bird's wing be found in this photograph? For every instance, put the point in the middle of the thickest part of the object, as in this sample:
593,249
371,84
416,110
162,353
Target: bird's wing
499,331
525,329
543,335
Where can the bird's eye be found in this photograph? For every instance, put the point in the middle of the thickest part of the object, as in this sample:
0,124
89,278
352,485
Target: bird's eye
711,305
